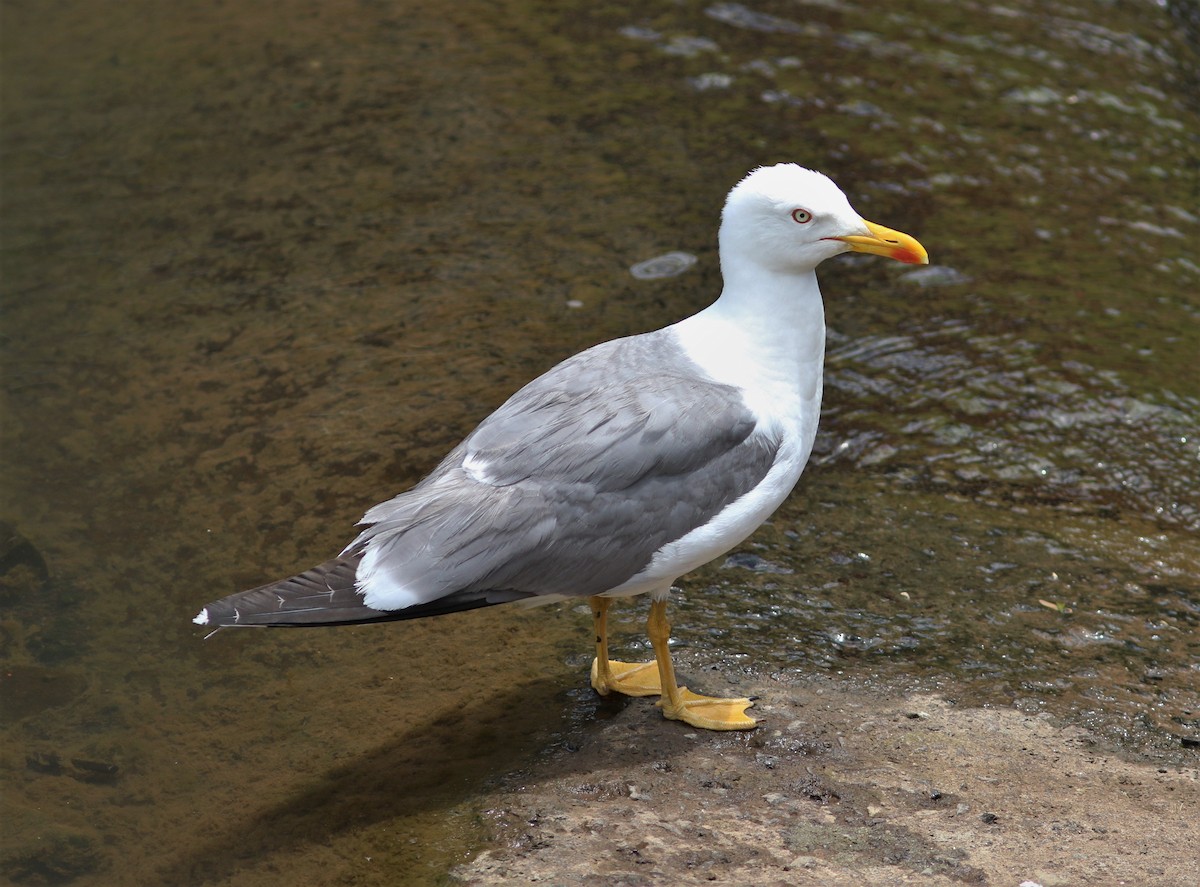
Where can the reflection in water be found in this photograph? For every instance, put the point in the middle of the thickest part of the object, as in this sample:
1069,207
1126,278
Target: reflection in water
263,268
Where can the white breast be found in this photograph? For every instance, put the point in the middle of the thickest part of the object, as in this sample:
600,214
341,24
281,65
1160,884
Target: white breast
780,380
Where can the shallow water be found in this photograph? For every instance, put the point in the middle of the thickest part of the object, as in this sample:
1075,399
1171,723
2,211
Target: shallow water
262,268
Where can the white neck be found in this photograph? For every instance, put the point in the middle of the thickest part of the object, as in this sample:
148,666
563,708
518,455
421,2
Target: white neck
766,333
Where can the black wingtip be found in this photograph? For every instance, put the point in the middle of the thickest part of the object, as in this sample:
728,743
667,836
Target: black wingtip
327,595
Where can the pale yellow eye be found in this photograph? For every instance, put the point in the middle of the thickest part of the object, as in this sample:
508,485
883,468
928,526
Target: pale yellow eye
802,216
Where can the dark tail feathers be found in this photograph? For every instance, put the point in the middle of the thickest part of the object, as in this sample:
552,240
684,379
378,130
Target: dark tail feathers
325,595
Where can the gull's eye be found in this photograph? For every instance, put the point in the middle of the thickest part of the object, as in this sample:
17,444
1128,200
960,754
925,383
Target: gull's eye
802,216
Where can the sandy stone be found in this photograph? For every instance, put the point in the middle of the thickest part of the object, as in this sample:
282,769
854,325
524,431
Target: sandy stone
844,789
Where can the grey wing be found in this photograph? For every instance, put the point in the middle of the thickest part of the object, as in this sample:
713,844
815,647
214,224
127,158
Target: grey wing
609,417
574,483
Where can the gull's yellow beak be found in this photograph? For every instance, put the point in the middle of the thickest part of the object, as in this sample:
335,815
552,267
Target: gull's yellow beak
886,242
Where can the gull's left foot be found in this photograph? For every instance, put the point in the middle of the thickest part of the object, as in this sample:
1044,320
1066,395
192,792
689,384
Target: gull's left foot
627,678
708,712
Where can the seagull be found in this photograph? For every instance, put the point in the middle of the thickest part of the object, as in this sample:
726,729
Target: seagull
623,467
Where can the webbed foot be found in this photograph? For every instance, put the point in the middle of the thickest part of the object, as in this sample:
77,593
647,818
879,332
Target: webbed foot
708,712
627,678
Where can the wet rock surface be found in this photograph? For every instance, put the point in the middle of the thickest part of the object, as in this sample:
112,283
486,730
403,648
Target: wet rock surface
843,787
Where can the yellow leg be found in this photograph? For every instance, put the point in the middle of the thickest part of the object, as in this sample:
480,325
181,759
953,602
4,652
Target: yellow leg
679,703
630,679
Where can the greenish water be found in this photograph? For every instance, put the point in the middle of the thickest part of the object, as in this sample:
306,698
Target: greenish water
263,266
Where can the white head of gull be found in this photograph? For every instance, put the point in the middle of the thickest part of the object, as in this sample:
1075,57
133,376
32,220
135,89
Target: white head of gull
623,467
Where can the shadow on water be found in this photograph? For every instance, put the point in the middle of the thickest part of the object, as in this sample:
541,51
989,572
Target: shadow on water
427,768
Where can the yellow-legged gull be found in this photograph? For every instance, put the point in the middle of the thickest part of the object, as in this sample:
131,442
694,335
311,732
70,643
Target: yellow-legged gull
623,467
